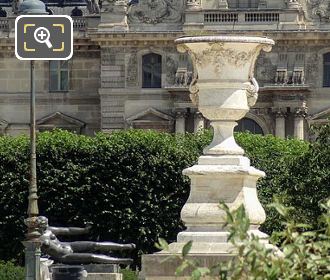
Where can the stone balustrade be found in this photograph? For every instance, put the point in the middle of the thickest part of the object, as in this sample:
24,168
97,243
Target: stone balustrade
79,23
240,17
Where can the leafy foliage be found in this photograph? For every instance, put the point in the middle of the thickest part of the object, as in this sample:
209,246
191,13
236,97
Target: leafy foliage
307,185
304,254
129,274
129,183
8,271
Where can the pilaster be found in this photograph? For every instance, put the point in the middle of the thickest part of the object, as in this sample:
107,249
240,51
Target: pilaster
299,122
280,123
180,122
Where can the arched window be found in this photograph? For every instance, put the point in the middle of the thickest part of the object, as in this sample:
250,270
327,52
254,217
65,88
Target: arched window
243,4
246,124
152,71
326,70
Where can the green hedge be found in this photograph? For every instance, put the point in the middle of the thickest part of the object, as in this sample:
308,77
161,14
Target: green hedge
129,183
8,271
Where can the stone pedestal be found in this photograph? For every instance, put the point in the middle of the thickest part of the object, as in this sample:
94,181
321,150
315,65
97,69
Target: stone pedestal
114,16
103,272
223,93
104,276
32,260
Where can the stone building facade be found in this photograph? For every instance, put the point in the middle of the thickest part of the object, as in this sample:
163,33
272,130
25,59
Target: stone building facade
126,71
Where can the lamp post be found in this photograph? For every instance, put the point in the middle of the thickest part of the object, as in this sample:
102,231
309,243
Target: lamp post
32,243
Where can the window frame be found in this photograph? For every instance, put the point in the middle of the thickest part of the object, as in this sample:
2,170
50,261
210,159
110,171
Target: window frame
254,122
326,70
59,71
160,59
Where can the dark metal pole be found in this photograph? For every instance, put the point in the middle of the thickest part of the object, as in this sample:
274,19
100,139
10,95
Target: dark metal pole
33,210
32,244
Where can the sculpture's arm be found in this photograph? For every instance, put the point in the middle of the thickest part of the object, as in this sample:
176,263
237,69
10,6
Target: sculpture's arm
70,230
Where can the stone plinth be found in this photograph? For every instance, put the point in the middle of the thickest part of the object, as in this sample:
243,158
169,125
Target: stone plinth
223,89
103,272
104,276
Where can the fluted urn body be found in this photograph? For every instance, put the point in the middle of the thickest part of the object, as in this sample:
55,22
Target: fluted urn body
224,87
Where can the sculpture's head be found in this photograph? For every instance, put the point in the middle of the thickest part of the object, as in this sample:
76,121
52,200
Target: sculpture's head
42,222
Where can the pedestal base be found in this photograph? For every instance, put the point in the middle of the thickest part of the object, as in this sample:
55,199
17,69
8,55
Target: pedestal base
161,266
104,276
103,272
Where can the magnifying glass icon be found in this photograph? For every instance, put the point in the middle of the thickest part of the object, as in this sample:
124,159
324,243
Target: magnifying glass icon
41,35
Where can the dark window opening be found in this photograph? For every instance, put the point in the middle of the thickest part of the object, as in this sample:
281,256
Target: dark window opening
152,71
246,124
326,70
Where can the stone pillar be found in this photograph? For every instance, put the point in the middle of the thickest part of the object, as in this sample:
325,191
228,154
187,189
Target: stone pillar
180,122
280,124
198,122
299,121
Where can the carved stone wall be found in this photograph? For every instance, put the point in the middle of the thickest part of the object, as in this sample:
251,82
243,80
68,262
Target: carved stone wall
113,67
317,9
132,68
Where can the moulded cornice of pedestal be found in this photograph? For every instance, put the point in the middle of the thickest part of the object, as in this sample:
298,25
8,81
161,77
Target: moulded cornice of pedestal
222,170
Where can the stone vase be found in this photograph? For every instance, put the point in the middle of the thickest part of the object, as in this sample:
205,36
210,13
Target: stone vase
223,89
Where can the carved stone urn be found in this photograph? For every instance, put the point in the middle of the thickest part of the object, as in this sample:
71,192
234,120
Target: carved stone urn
224,89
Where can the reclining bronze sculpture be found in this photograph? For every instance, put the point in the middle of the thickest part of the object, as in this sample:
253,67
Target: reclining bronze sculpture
78,252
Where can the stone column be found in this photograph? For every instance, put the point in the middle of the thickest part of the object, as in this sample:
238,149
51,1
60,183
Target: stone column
299,120
180,122
198,122
280,124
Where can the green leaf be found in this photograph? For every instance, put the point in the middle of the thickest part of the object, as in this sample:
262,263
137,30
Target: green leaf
186,248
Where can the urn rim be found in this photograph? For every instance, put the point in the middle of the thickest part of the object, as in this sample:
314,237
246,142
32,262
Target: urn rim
224,38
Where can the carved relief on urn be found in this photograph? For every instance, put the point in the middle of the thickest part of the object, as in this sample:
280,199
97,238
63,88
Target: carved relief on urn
225,88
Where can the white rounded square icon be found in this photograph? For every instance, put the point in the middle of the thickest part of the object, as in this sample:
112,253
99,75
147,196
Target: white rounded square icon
44,37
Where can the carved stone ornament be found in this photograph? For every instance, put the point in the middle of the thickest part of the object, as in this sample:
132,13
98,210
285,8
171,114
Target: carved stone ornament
317,9
171,67
156,11
132,71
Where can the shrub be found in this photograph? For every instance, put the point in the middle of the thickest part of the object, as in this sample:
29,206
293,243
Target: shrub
307,185
129,274
129,183
8,271
304,254
275,157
